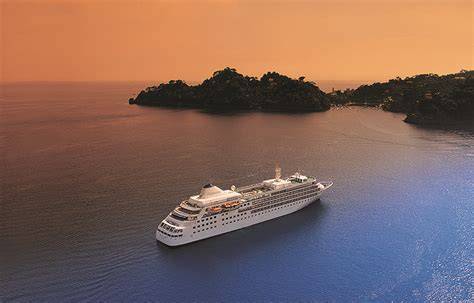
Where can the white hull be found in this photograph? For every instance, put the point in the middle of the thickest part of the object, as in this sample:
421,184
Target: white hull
233,220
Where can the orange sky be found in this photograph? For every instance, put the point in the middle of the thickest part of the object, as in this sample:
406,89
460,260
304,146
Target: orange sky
160,40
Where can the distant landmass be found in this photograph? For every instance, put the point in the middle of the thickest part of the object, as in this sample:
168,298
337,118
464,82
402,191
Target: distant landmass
229,90
426,99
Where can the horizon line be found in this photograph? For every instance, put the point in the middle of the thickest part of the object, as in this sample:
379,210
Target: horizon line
160,81
200,81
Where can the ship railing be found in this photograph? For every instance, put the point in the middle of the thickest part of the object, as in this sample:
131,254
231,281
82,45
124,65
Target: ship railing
187,211
181,213
248,187
185,204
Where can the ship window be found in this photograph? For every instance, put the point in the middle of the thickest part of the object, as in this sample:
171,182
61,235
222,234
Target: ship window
178,217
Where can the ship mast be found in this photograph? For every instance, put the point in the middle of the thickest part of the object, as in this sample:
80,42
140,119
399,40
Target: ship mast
277,172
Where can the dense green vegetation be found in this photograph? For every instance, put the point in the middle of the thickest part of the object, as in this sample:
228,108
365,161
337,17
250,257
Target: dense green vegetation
425,99
229,90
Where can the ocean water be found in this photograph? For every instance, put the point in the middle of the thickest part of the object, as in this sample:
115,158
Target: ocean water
86,178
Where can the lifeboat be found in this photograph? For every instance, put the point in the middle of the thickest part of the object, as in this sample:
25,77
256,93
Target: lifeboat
215,209
231,204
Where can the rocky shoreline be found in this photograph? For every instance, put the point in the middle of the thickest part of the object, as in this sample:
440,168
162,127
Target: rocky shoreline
426,99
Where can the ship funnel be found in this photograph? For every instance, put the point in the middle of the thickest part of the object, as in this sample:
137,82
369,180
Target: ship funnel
209,190
277,172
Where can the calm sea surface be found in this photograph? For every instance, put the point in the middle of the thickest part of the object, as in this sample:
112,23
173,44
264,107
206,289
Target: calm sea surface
85,179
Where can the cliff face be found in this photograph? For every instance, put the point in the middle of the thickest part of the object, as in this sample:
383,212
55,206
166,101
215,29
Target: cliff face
426,99
229,90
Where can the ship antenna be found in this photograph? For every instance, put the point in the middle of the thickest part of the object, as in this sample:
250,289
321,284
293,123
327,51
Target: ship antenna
277,172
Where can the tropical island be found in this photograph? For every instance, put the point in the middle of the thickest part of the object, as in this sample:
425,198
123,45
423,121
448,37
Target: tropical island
426,99
229,90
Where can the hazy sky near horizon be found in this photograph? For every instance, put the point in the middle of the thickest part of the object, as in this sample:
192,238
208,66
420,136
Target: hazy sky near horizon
161,40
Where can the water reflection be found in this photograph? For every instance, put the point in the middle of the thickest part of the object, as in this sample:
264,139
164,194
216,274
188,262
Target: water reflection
87,178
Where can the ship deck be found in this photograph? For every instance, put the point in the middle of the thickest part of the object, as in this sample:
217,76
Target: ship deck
259,189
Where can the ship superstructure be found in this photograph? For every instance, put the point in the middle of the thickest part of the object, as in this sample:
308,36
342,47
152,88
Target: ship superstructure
215,211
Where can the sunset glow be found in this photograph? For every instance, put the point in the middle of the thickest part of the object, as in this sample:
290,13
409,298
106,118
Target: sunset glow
153,40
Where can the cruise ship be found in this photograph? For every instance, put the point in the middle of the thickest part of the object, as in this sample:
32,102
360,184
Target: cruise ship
215,211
